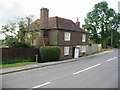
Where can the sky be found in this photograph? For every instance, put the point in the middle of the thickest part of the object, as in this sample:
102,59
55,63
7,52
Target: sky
69,9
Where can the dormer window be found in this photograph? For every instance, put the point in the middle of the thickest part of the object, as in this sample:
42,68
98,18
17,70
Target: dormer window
67,36
83,37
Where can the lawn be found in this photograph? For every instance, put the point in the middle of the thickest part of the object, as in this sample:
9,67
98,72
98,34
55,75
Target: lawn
16,64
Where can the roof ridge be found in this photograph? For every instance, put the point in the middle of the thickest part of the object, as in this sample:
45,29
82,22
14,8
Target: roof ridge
60,18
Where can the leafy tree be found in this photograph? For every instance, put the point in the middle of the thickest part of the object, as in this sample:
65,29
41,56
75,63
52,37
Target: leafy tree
21,30
35,34
102,23
17,28
9,40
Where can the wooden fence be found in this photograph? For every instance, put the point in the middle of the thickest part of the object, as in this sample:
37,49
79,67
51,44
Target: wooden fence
31,53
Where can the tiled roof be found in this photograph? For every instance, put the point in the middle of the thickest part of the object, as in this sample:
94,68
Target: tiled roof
58,23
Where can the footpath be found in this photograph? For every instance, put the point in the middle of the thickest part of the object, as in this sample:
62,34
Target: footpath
39,65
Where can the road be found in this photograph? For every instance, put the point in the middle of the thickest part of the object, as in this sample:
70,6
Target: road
100,71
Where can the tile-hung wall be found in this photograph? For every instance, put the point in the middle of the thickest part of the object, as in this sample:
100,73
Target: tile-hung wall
72,38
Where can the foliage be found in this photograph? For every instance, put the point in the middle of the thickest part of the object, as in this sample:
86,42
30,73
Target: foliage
9,40
49,53
83,54
21,45
102,23
21,29
16,60
17,27
1,43
16,64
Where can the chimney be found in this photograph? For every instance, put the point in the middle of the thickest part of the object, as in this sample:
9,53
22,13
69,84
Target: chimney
44,18
78,23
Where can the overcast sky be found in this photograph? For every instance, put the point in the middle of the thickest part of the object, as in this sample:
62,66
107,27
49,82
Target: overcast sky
69,9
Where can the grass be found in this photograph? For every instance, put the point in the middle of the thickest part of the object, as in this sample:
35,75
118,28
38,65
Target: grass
16,64
96,52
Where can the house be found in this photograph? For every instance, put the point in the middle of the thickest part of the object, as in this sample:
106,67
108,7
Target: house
60,32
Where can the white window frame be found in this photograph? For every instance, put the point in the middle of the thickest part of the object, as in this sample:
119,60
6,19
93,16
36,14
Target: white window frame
67,36
83,37
66,50
83,48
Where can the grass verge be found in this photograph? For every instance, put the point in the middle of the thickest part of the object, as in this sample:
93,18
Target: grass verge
97,52
16,64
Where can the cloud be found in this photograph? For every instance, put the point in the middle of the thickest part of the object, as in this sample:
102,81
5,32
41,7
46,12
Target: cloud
70,9
9,9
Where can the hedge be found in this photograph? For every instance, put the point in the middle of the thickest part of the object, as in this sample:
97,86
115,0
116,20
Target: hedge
16,60
49,53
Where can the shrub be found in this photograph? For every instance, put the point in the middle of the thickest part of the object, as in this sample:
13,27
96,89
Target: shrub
49,53
84,54
16,60
21,44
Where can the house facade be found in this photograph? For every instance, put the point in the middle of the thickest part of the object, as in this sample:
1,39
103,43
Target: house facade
60,32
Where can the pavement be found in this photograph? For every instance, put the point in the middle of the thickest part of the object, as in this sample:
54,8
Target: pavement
39,65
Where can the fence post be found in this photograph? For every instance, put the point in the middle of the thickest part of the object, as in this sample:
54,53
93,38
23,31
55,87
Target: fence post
36,58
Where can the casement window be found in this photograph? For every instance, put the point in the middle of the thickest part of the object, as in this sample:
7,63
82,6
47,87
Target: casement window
67,36
83,37
66,50
83,49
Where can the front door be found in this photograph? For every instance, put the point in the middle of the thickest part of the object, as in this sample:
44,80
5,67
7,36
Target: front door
76,53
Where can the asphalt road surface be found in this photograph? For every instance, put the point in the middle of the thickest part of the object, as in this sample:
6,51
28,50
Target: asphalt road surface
100,71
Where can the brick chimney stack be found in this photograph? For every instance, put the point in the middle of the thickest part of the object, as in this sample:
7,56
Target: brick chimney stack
44,14
78,23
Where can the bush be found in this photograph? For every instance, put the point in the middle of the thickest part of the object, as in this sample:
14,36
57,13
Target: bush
21,45
49,53
16,60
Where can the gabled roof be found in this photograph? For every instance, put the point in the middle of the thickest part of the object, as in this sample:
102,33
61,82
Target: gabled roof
58,23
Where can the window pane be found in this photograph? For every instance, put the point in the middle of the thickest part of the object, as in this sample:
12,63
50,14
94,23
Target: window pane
67,36
66,50
83,37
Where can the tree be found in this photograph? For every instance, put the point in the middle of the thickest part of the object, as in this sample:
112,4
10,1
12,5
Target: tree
102,22
9,40
35,34
17,28
20,29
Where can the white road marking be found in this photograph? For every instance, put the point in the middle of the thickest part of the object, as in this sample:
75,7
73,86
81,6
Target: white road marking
44,84
87,69
111,59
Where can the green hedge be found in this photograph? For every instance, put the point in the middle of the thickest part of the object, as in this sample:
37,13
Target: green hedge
49,53
16,60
